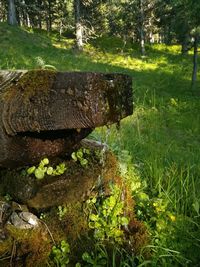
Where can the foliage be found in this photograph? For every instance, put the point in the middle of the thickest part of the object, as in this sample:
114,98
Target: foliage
60,254
41,64
43,169
110,256
107,216
80,156
94,259
62,210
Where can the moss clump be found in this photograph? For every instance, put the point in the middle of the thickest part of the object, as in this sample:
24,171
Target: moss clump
33,245
72,225
36,81
6,247
31,83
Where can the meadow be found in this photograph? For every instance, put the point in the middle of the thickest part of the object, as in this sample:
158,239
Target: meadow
158,146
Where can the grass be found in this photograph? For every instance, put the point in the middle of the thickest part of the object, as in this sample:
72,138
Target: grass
161,138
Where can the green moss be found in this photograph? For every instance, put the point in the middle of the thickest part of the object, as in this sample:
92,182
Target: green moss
36,81
31,83
6,246
34,242
73,223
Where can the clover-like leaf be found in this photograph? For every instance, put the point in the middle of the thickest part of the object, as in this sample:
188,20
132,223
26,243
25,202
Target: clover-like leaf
39,173
84,162
49,170
74,157
31,170
45,161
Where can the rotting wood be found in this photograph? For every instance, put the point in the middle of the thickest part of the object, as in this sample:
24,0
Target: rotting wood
38,105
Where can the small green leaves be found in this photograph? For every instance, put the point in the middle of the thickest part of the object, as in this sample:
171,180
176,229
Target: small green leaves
39,173
124,221
86,257
84,162
107,218
62,210
60,254
79,153
96,258
79,156
44,162
74,157
93,217
42,169
49,170
31,170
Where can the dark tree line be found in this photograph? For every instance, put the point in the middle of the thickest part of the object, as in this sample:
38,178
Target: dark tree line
142,21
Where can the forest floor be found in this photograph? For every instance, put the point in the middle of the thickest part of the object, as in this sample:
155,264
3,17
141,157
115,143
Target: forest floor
158,146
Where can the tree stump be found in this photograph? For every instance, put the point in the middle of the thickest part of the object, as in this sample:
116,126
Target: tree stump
47,113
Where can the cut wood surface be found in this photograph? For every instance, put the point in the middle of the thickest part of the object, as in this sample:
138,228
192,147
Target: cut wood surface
36,105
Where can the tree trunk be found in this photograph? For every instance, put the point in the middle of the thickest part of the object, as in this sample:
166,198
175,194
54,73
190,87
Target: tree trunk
49,17
142,37
195,57
46,113
12,19
184,48
185,44
39,22
28,23
39,4
79,26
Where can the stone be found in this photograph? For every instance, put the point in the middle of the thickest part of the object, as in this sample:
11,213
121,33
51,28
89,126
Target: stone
24,220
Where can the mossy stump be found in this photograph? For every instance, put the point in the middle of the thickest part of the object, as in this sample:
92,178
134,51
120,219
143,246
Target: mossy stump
70,192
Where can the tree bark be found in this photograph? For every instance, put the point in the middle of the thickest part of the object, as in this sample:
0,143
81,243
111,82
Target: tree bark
12,19
78,24
39,4
142,37
185,44
49,16
184,48
195,58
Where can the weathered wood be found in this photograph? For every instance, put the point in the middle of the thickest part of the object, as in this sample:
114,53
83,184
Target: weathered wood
35,104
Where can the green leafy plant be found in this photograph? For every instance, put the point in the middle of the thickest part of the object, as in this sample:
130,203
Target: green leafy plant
94,259
60,254
62,210
112,256
42,216
80,156
43,169
107,216
42,64
7,197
